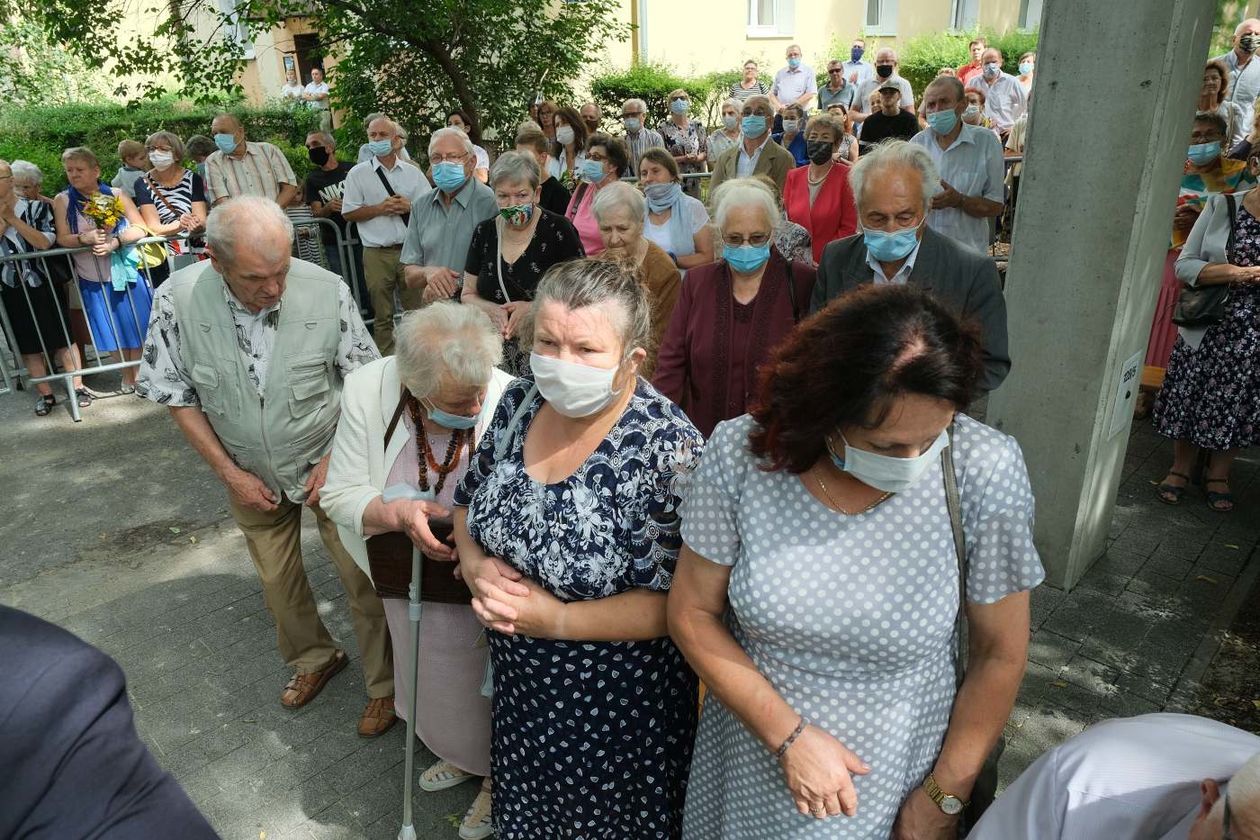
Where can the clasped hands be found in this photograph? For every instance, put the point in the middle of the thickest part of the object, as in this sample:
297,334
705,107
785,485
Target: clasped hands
507,602
508,317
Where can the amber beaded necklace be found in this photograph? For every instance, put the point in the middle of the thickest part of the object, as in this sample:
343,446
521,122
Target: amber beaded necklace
459,437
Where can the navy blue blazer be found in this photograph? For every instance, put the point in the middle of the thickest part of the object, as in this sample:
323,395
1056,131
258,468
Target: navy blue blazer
71,763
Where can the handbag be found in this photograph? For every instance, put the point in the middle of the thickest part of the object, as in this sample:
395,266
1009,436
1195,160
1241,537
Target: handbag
390,555
985,789
1202,306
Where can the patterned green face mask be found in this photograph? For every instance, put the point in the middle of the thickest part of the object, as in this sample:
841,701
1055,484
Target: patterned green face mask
518,215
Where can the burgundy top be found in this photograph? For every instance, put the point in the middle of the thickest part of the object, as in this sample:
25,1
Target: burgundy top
709,355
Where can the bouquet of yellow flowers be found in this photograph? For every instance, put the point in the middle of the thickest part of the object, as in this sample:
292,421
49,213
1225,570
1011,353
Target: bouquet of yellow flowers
105,210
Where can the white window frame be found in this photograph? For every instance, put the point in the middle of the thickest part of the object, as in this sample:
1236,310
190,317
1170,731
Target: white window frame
1030,22
236,30
783,25
964,15
887,13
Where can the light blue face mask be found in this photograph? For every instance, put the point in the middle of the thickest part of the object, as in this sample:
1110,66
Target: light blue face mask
225,142
449,175
380,147
1026,68
942,122
746,259
1201,154
447,420
593,171
890,247
680,106
753,125
794,62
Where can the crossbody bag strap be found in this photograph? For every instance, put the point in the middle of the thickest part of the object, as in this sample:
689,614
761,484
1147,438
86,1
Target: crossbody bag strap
505,434
498,257
380,173
393,423
153,188
1232,204
954,503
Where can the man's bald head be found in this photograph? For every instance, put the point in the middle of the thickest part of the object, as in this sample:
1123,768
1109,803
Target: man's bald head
1242,799
1251,25
226,124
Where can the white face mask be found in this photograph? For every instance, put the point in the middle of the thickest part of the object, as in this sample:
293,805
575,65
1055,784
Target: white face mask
884,472
573,390
564,135
161,160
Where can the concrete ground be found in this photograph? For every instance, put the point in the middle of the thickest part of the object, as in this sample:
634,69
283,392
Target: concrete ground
116,531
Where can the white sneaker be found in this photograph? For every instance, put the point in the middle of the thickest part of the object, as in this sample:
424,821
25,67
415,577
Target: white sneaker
443,775
476,824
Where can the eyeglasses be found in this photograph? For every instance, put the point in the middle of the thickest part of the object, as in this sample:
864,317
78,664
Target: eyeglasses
452,158
756,240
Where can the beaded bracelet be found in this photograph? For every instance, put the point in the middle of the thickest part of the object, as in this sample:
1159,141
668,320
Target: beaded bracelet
791,739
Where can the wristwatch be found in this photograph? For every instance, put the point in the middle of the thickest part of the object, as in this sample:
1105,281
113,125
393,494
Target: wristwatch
947,802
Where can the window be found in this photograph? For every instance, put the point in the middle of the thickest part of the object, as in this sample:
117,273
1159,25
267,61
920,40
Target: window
881,17
770,18
1029,14
234,27
965,14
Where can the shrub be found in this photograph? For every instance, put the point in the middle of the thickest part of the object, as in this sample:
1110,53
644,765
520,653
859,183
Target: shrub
40,133
923,57
649,82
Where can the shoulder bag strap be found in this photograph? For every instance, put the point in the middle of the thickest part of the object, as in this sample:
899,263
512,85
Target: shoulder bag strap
791,274
505,434
498,257
1232,204
393,423
954,503
161,196
380,173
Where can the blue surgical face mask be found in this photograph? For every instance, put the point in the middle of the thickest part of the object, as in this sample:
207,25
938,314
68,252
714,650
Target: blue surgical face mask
942,122
884,472
856,53
746,259
1026,68
379,148
753,126
225,142
890,247
679,106
1201,154
632,123
593,171
791,126
992,69
794,62
447,420
449,175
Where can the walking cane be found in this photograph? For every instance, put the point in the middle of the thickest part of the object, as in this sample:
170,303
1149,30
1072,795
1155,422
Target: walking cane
408,830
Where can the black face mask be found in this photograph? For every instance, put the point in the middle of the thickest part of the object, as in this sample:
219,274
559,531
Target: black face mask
884,71
318,155
1248,43
818,151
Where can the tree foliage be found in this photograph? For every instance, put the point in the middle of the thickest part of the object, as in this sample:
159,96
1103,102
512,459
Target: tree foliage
34,70
413,59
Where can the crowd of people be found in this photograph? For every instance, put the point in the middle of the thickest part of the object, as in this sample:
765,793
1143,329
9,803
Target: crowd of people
639,437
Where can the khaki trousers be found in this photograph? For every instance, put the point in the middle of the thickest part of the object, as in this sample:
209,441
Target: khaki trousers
383,274
275,544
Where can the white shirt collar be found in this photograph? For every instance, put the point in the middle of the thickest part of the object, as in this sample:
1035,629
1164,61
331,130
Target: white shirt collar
903,273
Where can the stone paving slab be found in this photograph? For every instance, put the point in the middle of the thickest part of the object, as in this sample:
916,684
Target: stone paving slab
122,536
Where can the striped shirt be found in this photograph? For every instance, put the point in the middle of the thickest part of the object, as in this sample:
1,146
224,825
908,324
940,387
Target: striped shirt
647,138
261,172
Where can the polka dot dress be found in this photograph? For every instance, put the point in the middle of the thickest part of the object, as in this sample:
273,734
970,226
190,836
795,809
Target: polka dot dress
590,740
851,618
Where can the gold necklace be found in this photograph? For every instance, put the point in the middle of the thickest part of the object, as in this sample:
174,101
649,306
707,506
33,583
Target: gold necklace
836,504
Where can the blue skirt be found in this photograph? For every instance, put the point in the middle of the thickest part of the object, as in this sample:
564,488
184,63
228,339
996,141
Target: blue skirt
118,319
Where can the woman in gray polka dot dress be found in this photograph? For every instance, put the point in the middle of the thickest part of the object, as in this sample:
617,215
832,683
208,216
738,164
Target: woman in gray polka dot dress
817,586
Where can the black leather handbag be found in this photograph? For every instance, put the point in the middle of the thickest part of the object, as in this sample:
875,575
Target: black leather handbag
1202,306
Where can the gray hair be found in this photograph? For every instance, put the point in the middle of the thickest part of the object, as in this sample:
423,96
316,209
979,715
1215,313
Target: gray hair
732,103
252,213
639,104
450,131
26,172
446,338
373,117
582,283
326,138
619,194
744,192
892,54
172,140
397,129
515,168
891,154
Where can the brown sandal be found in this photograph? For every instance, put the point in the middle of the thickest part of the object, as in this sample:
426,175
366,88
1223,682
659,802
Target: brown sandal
303,688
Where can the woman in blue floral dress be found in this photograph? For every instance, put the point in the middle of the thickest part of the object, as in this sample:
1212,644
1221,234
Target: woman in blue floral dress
568,533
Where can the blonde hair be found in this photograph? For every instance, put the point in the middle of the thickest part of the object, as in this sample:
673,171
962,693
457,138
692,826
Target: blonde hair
82,154
129,148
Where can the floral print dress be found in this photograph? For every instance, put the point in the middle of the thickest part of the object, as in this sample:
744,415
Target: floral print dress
591,740
1211,396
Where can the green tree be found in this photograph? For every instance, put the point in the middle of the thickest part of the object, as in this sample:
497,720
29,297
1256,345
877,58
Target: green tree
415,59
36,71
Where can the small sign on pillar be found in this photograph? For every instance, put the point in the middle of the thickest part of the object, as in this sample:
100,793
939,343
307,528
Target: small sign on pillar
1127,387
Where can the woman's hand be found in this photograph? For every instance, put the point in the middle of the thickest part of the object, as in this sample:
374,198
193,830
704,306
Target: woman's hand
518,606
921,819
818,771
189,223
515,313
92,237
412,518
107,247
482,566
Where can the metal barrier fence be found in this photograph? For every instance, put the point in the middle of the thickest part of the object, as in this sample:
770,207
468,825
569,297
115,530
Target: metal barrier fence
73,306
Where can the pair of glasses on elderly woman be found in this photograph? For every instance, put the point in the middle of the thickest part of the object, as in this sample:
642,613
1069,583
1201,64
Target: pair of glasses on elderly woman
756,240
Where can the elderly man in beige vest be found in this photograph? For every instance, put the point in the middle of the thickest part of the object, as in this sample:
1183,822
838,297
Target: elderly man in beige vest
249,351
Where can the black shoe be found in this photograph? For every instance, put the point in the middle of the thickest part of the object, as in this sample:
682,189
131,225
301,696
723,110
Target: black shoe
83,397
44,405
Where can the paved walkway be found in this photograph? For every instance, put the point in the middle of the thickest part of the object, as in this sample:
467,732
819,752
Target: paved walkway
118,533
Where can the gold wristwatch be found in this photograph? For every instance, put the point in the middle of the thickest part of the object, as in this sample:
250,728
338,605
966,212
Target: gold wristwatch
947,802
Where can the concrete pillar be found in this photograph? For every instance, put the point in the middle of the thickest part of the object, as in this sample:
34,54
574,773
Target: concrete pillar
1116,86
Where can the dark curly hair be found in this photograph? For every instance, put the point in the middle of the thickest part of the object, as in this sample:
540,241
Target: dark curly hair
845,365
